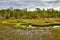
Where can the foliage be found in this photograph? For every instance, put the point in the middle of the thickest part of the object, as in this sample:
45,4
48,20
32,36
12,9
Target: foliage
25,14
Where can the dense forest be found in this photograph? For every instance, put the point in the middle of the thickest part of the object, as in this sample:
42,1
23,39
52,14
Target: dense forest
25,14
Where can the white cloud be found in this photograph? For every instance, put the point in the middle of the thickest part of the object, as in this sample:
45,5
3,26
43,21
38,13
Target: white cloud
31,4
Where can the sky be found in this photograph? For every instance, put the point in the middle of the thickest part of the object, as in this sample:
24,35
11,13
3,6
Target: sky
30,4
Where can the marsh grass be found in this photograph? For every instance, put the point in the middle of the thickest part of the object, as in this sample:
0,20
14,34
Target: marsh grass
13,30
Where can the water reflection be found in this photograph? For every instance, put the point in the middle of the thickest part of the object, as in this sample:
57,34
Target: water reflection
55,26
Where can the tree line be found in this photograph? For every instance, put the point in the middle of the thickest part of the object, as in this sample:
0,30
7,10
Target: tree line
24,14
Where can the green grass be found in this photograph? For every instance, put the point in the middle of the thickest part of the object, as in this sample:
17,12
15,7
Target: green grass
17,23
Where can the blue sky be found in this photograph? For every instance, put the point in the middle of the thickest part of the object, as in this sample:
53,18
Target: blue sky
30,4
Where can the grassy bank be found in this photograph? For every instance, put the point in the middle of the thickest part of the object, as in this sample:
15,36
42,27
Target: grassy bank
18,23
13,30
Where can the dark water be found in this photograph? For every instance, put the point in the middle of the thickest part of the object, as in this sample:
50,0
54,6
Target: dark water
9,33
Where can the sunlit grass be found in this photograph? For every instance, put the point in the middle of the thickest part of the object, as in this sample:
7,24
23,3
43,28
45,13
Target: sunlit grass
17,25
